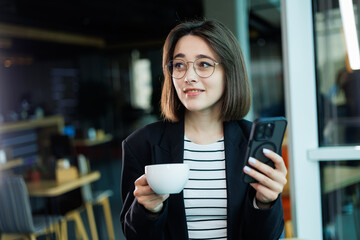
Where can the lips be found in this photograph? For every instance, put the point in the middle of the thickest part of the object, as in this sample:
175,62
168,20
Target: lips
191,92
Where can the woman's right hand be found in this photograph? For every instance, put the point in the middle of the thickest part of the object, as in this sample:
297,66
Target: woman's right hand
147,197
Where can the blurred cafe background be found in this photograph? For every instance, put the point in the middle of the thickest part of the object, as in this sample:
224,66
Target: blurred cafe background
77,77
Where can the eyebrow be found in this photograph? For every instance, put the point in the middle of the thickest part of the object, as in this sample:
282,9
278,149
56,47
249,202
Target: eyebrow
181,55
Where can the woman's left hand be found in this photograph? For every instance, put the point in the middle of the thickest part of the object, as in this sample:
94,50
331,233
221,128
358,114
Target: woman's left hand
271,181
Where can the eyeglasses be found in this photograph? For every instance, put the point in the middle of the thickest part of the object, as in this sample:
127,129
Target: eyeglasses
203,67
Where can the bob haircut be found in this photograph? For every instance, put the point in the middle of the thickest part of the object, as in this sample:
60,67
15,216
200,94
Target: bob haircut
236,99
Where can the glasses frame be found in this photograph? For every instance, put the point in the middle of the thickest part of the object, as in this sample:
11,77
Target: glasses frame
187,67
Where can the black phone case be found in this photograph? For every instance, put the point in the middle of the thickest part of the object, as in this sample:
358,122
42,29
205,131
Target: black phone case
271,140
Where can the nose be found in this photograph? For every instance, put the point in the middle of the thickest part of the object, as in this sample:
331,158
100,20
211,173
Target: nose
190,75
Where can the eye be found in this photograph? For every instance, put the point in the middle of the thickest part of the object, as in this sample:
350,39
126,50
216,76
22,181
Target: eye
204,63
179,65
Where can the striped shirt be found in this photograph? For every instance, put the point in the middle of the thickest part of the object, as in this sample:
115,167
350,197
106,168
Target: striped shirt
205,195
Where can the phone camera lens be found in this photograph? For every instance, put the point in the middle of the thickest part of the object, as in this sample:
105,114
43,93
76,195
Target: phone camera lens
259,135
261,128
260,131
269,130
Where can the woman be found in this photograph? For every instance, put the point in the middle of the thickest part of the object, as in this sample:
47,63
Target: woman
204,98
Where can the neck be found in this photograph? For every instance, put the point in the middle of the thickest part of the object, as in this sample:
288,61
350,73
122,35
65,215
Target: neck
203,128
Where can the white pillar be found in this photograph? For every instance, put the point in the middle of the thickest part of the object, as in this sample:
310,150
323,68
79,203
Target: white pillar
300,93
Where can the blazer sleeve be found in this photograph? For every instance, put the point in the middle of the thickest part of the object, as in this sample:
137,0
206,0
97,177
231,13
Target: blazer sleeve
135,219
260,224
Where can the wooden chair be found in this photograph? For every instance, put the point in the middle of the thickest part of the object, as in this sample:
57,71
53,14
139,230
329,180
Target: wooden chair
61,147
16,219
97,197
79,226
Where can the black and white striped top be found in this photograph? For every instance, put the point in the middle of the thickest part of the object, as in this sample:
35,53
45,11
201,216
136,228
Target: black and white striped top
205,196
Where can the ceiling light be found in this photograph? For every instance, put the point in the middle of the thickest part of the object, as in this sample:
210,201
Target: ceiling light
351,38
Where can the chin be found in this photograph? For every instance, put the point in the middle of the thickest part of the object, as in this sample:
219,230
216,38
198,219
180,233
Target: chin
192,108
196,108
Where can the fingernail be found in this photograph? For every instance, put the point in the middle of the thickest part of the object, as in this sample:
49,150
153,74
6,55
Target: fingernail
266,151
247,169
252,160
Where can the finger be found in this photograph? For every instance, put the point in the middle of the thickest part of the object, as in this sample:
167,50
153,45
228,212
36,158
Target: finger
152,206
268,171
157,205
157,208
165,196
146,191
141,180
143,191
276,158
263,179
151,198
142,188
153,203
147,198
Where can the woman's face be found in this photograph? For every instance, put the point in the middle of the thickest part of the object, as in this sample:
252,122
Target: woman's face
202,94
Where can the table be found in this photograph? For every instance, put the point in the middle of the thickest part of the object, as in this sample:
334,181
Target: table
51,121
89,142
12,164
89,147
52,188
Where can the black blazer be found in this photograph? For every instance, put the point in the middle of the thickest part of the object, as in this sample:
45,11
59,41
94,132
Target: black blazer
163,142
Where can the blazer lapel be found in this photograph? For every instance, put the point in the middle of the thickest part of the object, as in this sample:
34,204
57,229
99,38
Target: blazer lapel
235,149
171,145
171,150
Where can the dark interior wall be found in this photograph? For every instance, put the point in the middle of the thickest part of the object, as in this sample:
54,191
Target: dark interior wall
30,81
90,89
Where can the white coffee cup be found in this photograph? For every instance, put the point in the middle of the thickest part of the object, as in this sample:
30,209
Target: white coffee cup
167,178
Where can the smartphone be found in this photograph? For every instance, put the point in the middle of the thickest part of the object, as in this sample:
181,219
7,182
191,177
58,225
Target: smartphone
265,133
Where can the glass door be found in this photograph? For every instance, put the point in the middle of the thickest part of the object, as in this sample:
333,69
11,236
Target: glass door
322,81
336,26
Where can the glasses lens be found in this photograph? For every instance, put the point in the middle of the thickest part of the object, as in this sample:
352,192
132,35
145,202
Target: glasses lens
204,67
177,68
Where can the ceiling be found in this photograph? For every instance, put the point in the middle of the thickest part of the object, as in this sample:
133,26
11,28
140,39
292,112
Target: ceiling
125,22
117,21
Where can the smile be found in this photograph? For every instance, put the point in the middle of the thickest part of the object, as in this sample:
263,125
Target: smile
193,91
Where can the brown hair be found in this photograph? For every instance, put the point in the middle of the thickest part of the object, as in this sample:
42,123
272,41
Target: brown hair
236,99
